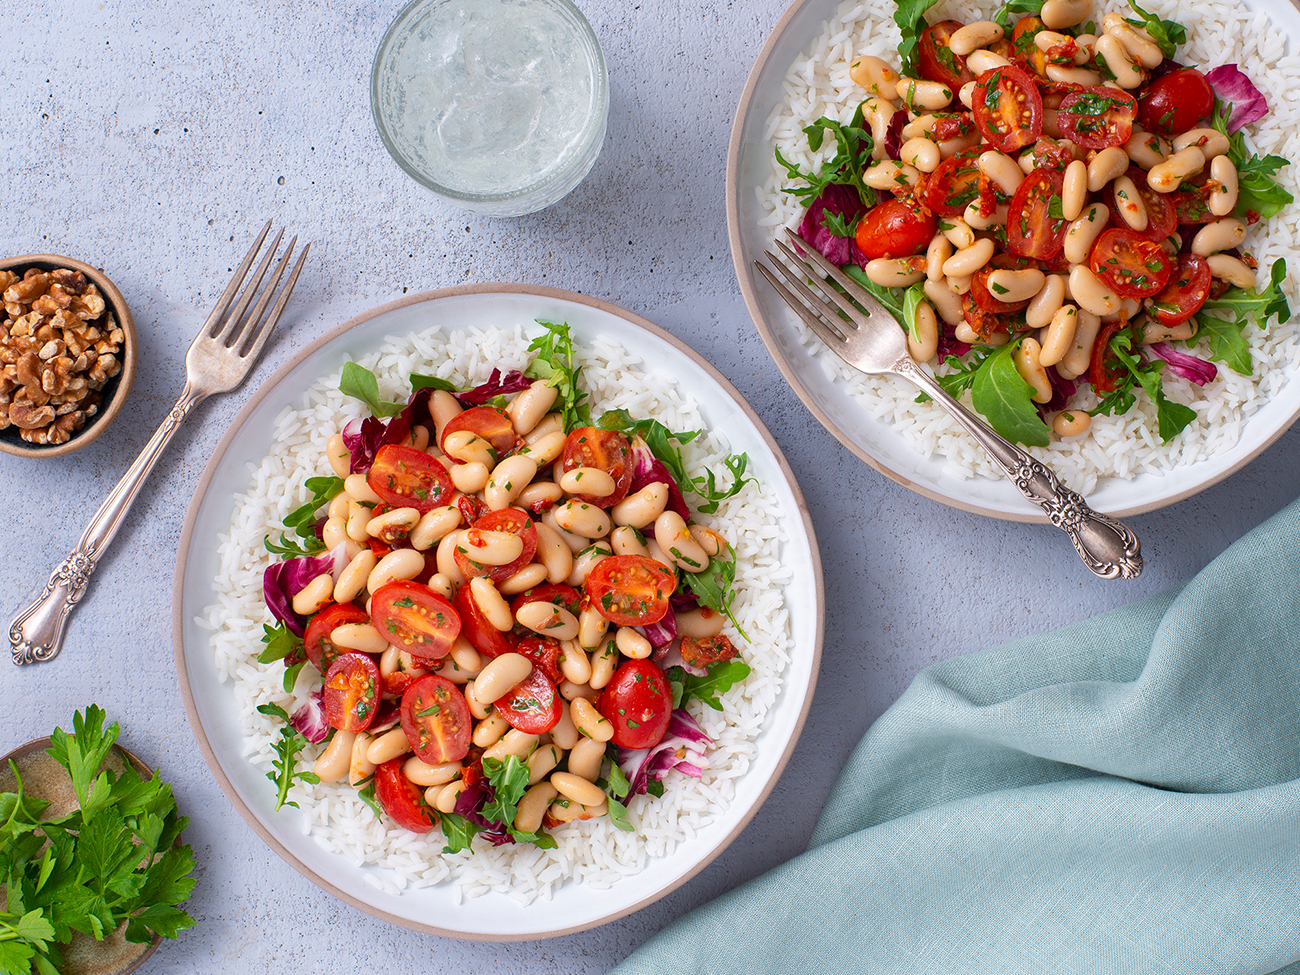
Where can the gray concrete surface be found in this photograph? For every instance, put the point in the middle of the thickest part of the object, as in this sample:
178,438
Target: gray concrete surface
152,139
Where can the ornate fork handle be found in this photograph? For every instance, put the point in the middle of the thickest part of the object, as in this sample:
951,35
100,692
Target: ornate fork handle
36,633
1107,546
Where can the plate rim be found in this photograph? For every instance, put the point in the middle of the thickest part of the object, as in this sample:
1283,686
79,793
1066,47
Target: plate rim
237,424
749,294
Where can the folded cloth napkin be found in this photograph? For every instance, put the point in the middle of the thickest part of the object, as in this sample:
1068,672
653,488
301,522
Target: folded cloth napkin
1119,796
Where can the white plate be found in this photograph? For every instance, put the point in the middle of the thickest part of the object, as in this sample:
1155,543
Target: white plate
874,440
493,917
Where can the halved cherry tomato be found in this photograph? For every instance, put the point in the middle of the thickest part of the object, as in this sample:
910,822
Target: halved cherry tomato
436,719
402,799
1131,265
1024,48
1097,117
482,635
935,59
351,692
1008,108
1192,206
1176,102
701,653
1162,217
510,520
631,590
316,641
531,706
549,592
639,703
404,477
488,422
545,654
1105,370
414,618
1186,292
1051,154
1031,229
981,320
895,228
471,508
607,450
950,187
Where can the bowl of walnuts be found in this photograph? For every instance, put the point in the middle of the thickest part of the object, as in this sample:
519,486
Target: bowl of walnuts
67,354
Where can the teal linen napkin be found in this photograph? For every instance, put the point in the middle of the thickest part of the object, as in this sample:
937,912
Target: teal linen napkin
1119,796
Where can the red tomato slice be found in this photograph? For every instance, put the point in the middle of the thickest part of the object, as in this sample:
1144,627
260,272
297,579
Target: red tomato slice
488,422
401,798
1097,117
1031,230
981,320
1175,102
1105,371
1162,215
482,635
1131,265
631,590
549,592
607,450
1008,108
638,702
510,520
935,59
414,618
545,654
436,720
1192,206
471,508
702,653
1183,296
404,477
351,692
895,228
316,641
1024,47
954,184
532,706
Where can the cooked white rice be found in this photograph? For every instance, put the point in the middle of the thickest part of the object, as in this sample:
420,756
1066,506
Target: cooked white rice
594,852
818,84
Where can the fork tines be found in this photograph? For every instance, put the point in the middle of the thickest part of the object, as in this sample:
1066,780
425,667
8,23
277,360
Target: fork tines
238,326
809,267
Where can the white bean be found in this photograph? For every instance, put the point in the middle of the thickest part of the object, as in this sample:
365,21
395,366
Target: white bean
334,761
1233,270
604,662
589,721
388,746
1166,177
1147,149
889,174
929,96
1211,142
488,547
947,304
700,624
492,605
314,595
1058,335
531,810
533,574
488,732
424,774
939,250
565,733
500,675
469,448
1115,55
577,789
363,637
470,478
1223,200
1046,302
394,525
542,761
1090,293
1074,189
1139,45
921,153
553,552
399,564
592,482
1073,76
1218,235
360,767
352,580
1129,204
1075,362
580,518
923,336
982,33
1021,285
359,489
443,797
340,458
874,75
1030,367
545,449
1002,170
591,627
574,664
632,644
433,525
1108,164
446,558
586,560
1083,233
1071,423
1057,14
1154,331
442,407
358,518
970,259
895,272
674,538
508,480
586,758
516,742
640,509
982,60
548,619
527,409
626,541
957,232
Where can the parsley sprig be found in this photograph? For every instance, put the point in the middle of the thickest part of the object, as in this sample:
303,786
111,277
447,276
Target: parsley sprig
554,364
303,519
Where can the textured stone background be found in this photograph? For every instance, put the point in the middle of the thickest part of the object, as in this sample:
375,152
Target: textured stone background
151,140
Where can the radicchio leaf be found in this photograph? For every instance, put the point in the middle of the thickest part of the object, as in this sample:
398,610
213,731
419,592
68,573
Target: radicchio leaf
948,344
646,469
1188,366
469,804
364,438
1062,390
835,199
310,719
514,382
663,632
284,580
682,748
894,134
1233,87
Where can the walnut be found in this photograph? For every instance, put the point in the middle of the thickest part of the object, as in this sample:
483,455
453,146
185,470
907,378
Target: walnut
72,282
28,416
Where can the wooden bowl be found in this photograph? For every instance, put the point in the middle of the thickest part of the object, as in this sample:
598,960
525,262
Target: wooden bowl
115,390
44,778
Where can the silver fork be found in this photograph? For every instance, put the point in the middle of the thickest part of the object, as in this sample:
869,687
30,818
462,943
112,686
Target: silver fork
220,358
872,342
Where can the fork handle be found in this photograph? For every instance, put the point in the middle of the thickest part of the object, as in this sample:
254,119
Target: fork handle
1107,546
36,633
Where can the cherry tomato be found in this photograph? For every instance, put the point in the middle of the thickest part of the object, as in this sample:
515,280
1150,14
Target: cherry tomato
1024,48
510,520
936,61
316,641
482,635
351,692
404,477
638,702
895,228
488,422
1051,154
1175,102
1097,117
471,508
1031,230
1008,108
545,654
701,653
950,187
414,618
1192,206
1131,265
607,450
401,798
1183,296
1105,370
549,592
531,706
436,720
1162,215
631,590
981,320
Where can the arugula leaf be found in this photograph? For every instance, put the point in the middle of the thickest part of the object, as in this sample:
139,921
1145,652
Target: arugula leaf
1259,306
459,831
963,376
886,296
287,748
360,383
656,436
509,781
912,299
367,795
655,788
303,519
618,814
1166,33
852,155
554,365
1002,395
911,22
1227,343
419,381
1257,190
280,643
719,678
1171,418
1018,9
712,587
706,486
834,222
291,675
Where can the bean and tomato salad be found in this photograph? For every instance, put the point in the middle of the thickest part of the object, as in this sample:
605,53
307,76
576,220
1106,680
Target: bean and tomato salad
506,598
1056,192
